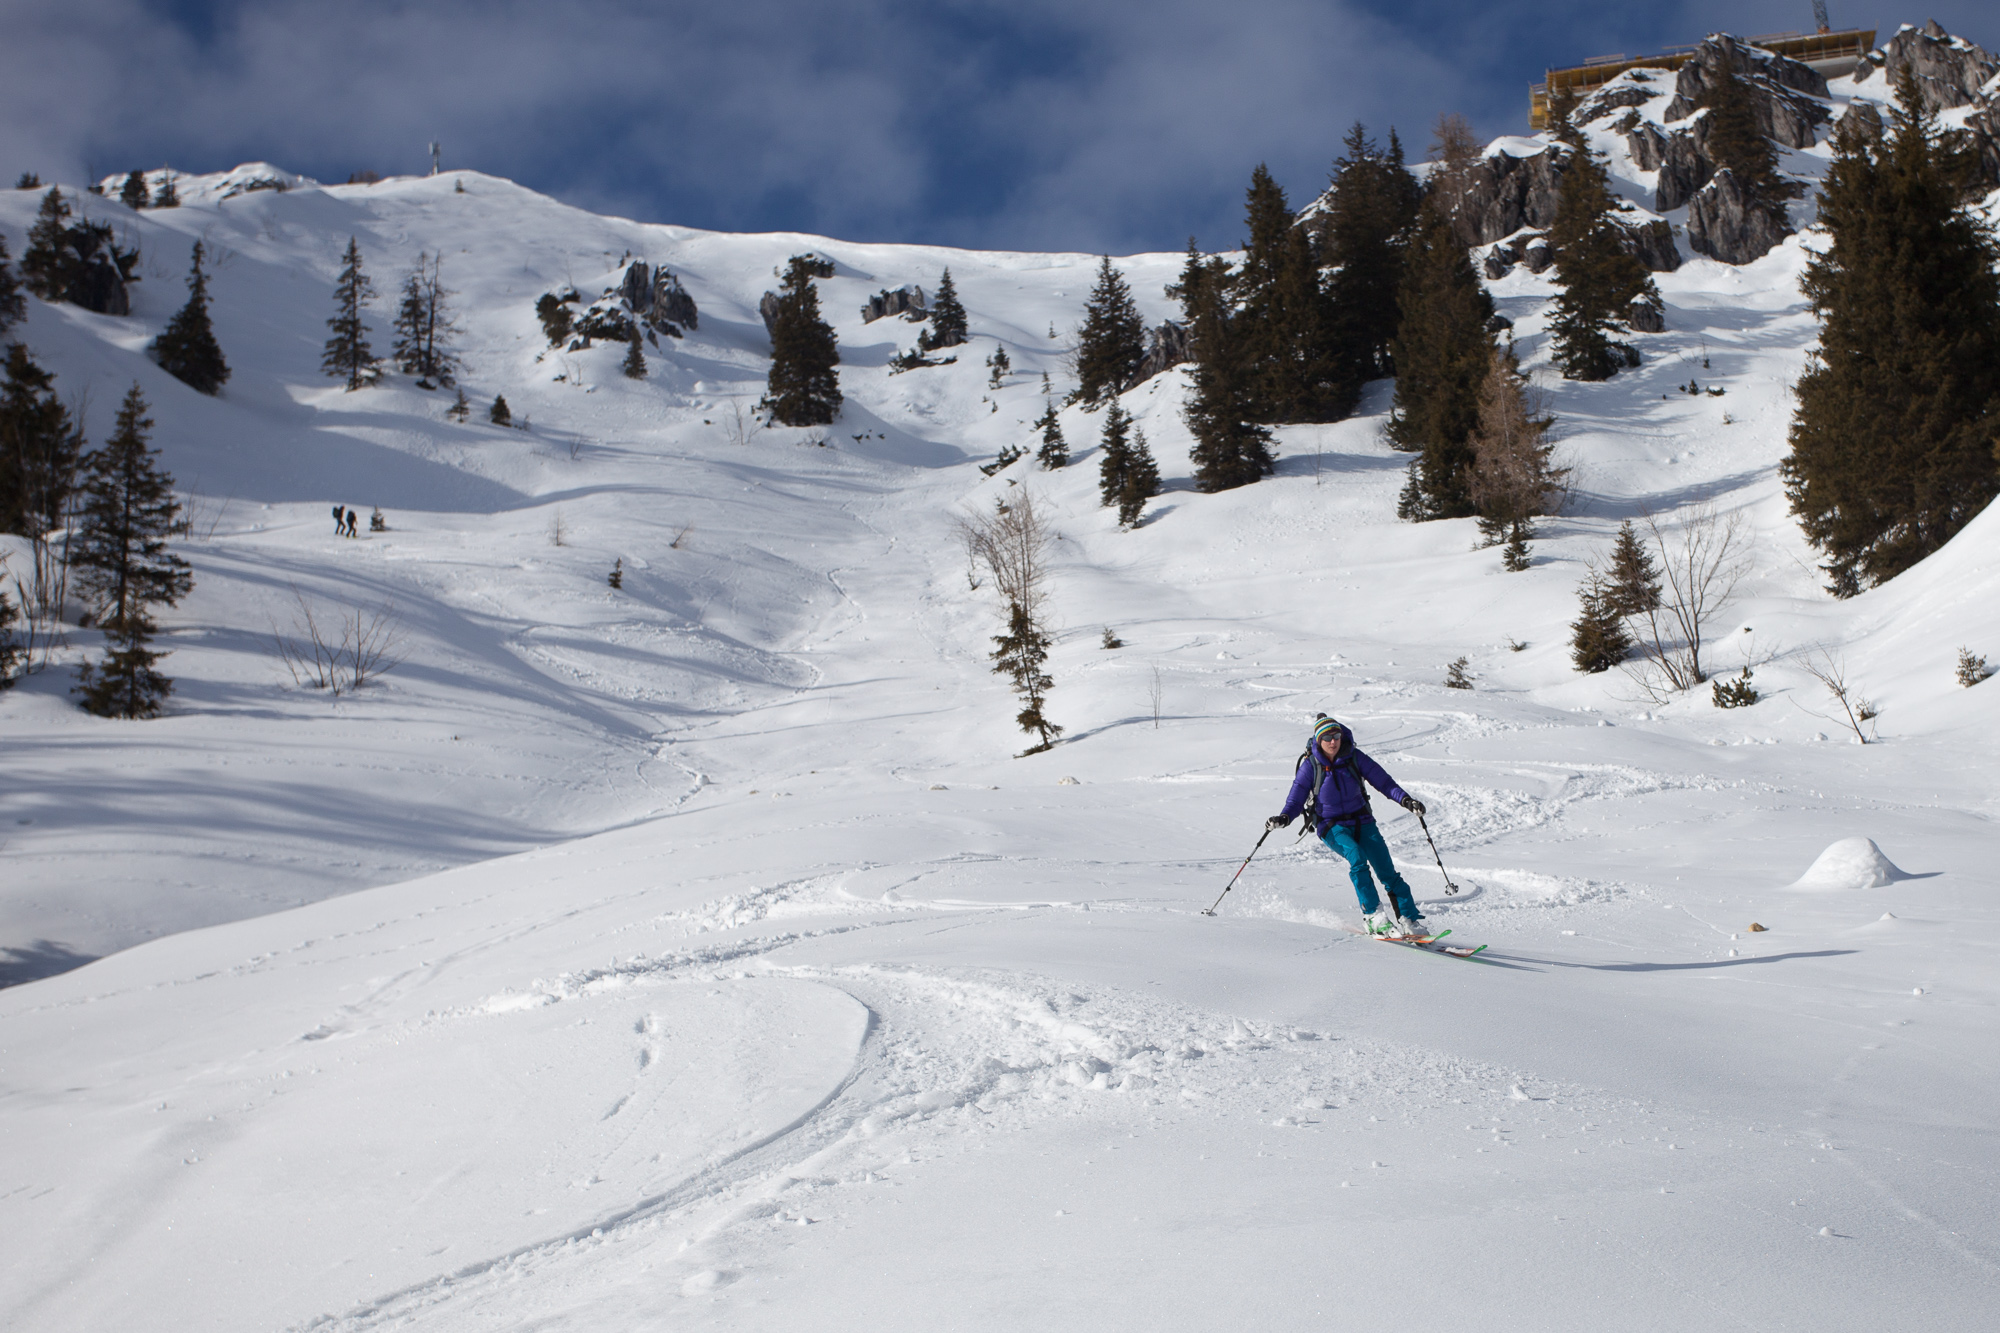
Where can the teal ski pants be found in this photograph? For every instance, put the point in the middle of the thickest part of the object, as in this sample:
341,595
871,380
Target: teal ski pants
1361,846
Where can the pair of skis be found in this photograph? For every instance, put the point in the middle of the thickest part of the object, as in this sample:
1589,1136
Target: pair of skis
1427,943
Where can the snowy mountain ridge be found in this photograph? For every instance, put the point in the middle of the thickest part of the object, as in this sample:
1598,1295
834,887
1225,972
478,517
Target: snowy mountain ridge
697,951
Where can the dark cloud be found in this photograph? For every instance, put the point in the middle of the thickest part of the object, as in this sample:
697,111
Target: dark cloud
1035,124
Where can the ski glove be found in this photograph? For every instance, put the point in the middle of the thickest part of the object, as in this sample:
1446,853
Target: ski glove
1275,822
1414,806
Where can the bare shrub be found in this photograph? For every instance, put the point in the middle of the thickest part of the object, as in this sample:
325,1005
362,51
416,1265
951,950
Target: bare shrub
1700,565
341,653
1012,544
1829,670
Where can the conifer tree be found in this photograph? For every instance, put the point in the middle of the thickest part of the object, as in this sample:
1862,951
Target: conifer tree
425,325
1513,477
1285,329
348,355
166,195
11,652
947,322
186,348
634,364
1600,279
1633,587
461,407
803,388
1113,341
13,307
123,565
1054,452
39,447
1374,201
1139,483
1892,440
1231,447
999,365
1442,354
1021,653
1598,638
500,414
132,193
43,262
1114,452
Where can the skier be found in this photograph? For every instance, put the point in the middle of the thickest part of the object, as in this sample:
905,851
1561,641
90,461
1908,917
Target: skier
1328,788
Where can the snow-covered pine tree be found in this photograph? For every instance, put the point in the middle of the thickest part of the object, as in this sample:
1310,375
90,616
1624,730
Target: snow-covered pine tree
555,317
634,364
1892,439
1282,319
1054,452
166,194
1598,277
348,355
1113,340
1114,446
39,446
947,321
424,326
132,193
1442,354
123,565
1231,449
1374,200
1598,639
999,365
186,348
803,388
500,414
1140,482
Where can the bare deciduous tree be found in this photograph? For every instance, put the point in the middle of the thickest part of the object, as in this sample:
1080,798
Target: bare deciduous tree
1701,563
1012,544
1154,694
1830,671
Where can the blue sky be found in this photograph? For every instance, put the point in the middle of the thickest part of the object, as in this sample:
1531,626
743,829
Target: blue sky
1115,126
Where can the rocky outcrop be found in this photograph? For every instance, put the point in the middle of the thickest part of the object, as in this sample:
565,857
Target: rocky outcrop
1984,126
1784,93
1646,317
1950,70
1654,244
1166,347
656,296
768,308
1501,193
1612,98
907,301
1861,120
1724,223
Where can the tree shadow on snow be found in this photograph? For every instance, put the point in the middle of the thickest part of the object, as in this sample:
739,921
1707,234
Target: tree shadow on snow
1696,967
32,962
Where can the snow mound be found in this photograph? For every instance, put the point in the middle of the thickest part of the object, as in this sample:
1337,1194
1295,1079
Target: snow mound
1851,863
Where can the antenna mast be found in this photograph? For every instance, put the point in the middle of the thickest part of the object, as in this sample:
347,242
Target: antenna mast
1819,16
434,142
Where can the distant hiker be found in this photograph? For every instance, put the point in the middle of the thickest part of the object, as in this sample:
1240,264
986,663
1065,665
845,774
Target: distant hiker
339,519
1328,788
351,518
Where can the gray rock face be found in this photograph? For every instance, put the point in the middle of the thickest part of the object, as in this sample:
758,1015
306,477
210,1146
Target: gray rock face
657,297
1950,71
1724,224
1985,129
1502,194
1166,347
1862,119
1645,317
1782,91
1654,244
1601,104
1537,255
768,308
907,301
1684,167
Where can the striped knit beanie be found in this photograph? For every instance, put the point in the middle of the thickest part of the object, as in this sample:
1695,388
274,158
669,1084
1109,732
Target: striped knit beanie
1326,726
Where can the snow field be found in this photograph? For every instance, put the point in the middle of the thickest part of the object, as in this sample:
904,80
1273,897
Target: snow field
699,956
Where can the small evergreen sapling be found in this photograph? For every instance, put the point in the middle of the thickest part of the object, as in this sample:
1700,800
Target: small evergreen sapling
132,193
947,321
1114,446
634,364
460,407
1112,640
555,318
376,521
999,365
1598,638
500,414
1738,693
1021,654
616,578
186,348
1054,452
1455,677
1634,586
1140,483
166,195
1971,669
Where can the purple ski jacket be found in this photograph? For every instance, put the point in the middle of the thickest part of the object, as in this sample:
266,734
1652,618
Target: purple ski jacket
1341,797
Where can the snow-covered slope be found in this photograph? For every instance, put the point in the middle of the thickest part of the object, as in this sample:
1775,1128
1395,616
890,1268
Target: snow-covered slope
696,954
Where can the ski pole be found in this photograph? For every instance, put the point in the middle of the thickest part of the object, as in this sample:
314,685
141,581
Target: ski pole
1210,911
1449,887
